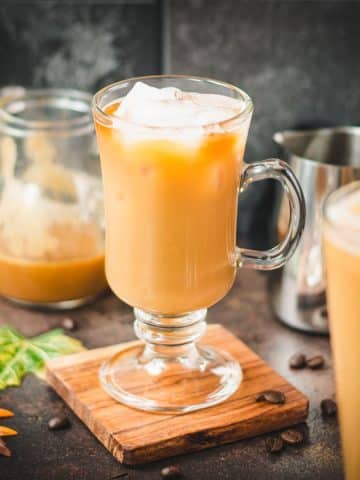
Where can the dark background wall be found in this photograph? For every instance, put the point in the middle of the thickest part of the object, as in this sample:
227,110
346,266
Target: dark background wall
298,59
78,43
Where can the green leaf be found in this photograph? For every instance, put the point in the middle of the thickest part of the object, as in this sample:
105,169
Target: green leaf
20,355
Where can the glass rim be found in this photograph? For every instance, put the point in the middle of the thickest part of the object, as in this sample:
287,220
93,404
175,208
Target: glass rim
243,114
12,121
333,196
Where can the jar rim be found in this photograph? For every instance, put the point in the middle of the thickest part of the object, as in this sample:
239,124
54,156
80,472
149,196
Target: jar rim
67,99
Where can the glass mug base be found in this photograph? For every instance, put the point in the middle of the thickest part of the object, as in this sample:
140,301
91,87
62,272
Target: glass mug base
170,374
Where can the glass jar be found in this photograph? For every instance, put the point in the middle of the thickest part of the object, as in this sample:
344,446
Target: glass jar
51,205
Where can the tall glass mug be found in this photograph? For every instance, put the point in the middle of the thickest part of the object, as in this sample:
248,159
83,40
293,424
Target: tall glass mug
342,257
171,195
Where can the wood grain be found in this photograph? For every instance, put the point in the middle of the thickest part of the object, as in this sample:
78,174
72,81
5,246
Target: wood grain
134,437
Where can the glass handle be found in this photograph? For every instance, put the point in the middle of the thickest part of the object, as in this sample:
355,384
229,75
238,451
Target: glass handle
277,256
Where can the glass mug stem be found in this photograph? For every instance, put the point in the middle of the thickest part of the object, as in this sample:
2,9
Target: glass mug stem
168,372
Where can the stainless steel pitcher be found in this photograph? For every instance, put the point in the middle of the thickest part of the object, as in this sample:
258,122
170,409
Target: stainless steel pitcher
323,160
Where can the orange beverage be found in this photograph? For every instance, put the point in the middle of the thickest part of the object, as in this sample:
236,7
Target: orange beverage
170,207
342,255
75,270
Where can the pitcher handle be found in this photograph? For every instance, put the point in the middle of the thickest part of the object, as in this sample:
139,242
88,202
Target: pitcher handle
277,256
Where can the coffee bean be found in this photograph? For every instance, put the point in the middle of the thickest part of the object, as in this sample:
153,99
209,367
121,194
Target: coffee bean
297,361
69,324
58,423
315,362
171,473
292,436
328,407
274,444
271,396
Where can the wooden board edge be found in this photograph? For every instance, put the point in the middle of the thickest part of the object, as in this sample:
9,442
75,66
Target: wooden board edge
214,437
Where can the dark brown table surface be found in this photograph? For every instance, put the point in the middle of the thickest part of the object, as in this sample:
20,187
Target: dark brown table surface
75,454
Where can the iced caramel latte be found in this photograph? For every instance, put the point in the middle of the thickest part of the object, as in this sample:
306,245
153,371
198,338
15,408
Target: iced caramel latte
171,150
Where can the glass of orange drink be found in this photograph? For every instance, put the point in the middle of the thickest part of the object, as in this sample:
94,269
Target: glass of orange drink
342,260
171,150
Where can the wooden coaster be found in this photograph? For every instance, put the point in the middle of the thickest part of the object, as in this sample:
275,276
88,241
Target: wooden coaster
133,436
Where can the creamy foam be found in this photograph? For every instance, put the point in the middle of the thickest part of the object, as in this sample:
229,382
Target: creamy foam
344,216
169,112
